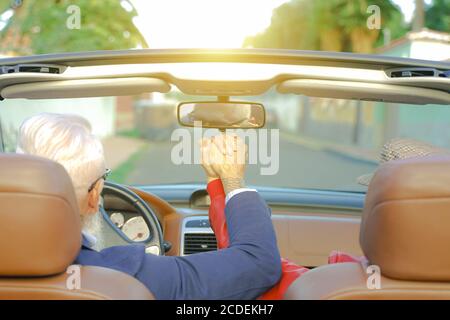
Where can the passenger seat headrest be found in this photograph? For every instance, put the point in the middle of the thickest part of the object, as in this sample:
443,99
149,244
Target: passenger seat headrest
405,228
40,231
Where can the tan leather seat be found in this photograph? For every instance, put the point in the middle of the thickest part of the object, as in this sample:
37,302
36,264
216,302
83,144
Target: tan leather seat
405,230
40,236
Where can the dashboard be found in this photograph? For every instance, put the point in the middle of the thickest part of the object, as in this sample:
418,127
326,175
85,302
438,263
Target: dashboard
190,234
309,223
197,236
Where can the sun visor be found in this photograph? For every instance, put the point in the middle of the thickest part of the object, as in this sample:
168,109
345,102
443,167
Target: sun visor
366,91
85,88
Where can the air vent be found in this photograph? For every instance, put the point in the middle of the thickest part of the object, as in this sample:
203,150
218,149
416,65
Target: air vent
415,72
53,69
199,242
38,69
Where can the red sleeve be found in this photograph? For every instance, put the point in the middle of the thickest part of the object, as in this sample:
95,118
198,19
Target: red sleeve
340,257
217,217
290,273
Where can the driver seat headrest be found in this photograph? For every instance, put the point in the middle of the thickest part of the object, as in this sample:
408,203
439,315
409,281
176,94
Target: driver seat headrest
40,232
405,228
40,237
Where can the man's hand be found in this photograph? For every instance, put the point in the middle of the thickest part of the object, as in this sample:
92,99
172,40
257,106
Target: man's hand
205,159
224,156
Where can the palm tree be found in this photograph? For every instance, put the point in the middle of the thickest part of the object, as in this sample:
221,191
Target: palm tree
419,16
437,17
38,26
332,25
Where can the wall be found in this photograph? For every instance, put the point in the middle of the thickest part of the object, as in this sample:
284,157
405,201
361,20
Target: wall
99,111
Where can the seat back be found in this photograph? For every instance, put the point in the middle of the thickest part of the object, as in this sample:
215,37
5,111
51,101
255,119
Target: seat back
96,283
348,281
404,232
40,237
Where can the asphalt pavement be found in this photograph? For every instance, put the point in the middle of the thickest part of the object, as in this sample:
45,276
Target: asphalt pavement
300,166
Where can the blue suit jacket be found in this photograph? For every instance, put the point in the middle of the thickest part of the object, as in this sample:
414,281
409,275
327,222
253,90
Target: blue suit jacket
245,270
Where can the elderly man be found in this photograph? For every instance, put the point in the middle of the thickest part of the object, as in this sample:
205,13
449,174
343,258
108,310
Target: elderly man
244,270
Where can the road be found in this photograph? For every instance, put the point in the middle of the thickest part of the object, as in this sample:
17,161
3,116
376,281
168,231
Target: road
299,167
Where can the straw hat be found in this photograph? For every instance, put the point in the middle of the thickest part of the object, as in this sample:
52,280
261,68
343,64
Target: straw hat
402,148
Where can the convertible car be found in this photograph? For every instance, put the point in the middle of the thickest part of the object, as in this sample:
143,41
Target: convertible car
400,223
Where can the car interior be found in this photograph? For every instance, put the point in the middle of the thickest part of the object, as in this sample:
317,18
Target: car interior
400,224
38,199
403,231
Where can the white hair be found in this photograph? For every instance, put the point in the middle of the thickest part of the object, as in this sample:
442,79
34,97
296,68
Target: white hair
68,140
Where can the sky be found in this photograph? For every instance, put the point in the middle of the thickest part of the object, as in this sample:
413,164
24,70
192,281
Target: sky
407,7
210,23
185,24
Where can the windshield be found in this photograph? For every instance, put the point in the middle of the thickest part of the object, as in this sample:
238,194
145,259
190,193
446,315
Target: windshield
37,27
307,142
313,143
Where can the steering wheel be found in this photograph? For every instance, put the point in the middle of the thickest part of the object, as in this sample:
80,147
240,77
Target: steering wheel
154,243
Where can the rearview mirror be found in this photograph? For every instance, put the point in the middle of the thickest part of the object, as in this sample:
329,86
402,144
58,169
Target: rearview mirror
222,115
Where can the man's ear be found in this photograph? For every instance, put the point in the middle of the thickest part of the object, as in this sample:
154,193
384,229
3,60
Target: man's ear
94,197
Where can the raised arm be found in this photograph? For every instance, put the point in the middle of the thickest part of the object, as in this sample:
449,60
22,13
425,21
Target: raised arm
244,270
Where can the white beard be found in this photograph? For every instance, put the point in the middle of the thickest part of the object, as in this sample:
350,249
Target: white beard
92,224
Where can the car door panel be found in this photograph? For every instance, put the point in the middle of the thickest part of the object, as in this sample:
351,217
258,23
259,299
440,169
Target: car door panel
309,239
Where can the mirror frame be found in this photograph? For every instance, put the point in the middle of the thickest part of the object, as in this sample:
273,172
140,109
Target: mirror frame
222,127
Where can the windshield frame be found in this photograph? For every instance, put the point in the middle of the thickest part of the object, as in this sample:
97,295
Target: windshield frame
271,56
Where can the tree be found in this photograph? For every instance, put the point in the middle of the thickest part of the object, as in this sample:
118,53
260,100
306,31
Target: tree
332,25
437,15
419,16
38,26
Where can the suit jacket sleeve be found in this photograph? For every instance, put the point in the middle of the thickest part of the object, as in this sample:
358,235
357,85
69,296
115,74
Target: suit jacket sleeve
244,270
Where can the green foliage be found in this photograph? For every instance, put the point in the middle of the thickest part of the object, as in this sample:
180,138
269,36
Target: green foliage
39,26
130,133
336,25
437,15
